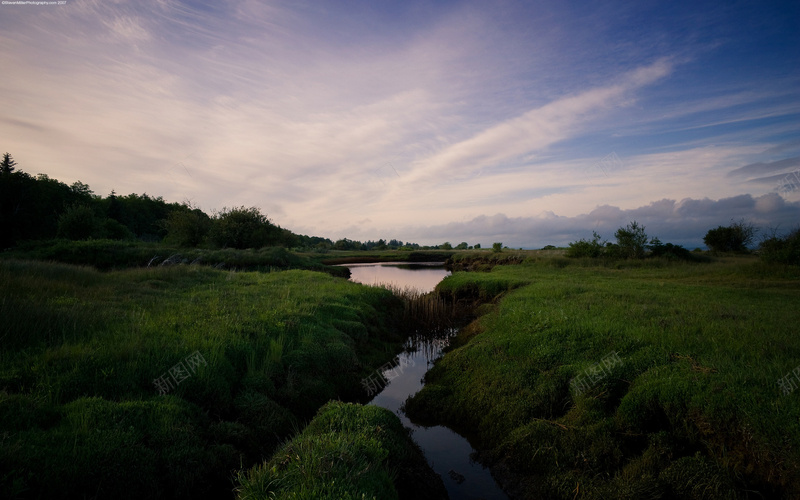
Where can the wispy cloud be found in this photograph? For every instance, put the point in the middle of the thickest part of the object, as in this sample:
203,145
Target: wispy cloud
534,130
377,118
761,168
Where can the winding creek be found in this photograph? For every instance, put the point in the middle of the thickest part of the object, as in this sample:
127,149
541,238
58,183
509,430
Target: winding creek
448,453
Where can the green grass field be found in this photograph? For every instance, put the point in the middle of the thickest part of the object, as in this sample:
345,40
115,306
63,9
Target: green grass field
691,408
81,417
347,452
580,379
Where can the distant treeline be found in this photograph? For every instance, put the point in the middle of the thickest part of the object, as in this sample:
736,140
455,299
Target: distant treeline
347,244
633,243
41,208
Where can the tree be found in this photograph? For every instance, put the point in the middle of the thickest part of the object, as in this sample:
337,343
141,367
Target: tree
497,247
82,189
477,246
7,165
243,228
733,238
114,209
631,241
187,227
462,246
447,246
77,223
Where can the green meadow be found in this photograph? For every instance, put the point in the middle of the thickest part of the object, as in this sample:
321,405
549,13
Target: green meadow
580,378
591,378
251,358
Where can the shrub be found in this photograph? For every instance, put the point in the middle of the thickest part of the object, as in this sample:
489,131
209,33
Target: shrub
242,228
114,230
78,222
784,250
631,241
733,238
187,228
670,251
586,248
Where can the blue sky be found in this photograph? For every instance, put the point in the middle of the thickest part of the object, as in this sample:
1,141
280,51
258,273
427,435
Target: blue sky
530,123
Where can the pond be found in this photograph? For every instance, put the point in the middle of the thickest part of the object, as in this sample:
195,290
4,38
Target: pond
423,276
448,453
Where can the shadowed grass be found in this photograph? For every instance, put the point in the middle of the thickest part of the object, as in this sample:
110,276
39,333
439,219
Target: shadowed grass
81,416
113,254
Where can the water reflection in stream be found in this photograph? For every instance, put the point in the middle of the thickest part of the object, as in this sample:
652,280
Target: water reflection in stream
447,452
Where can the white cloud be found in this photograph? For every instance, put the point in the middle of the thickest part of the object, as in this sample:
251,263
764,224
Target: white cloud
682,222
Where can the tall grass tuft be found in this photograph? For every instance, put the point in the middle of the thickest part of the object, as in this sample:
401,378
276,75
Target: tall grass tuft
429,314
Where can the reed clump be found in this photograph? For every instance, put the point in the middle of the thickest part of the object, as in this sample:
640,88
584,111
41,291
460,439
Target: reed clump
429,313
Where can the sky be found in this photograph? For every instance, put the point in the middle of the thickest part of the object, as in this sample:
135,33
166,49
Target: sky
523,122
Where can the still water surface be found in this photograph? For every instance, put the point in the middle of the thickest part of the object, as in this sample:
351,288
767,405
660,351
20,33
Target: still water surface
448,453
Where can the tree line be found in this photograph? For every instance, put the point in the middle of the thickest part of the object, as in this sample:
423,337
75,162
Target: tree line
38,208
41,208
632,242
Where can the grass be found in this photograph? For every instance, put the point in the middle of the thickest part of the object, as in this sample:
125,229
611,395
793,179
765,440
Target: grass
80,349
693,410
112,254
347,452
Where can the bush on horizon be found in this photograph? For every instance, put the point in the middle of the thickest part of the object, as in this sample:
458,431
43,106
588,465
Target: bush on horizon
733,238
785,250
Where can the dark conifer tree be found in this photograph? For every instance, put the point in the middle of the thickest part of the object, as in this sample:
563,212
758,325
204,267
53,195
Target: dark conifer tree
7,165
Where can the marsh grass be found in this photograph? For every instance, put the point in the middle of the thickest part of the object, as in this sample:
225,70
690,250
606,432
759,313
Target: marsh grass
428,313
347,451
112,254
702,346
80,350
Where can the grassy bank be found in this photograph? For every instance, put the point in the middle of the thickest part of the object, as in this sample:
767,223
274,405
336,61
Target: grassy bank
110,254
347,452
646,379
243,360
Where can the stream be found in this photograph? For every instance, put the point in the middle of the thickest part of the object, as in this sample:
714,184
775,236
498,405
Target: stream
448,453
